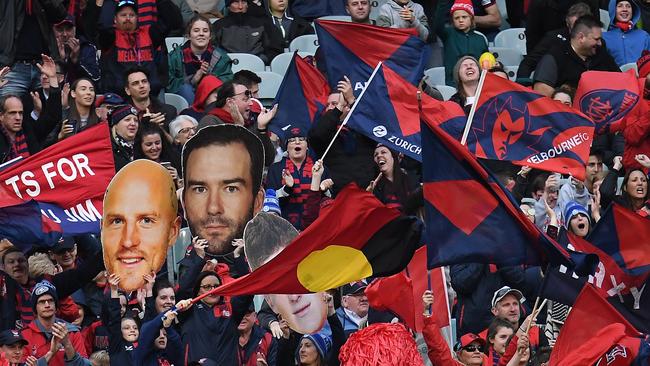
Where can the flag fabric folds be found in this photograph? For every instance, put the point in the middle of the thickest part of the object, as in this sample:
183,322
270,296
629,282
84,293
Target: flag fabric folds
516,124
607,97
591,330
301,98
24,226
354,238
355,49
471,218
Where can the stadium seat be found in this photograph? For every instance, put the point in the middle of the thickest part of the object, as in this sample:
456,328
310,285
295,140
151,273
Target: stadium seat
482,35
246,61
512,72
306,43
435,76
374,8
631,65
340,18
281,62
446,91
173,42
270,84
177,252
512,38
507,56
177,101
604,18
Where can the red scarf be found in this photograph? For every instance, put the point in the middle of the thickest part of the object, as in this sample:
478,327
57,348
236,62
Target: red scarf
18,145
222,114
298,186
624,26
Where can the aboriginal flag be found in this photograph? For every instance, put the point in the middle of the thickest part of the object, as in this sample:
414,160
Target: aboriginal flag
354,50
516,124
354,238
301,98
607,97
471,218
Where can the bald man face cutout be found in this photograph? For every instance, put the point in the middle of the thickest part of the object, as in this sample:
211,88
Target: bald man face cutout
140,222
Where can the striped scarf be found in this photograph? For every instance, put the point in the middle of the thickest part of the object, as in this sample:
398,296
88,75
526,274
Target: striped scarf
192,62
18,145
301,180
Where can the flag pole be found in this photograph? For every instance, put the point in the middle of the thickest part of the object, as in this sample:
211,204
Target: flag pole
345,121
481,80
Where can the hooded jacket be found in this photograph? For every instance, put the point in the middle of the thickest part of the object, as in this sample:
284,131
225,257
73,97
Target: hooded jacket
389,17
39,344
220,66
625,46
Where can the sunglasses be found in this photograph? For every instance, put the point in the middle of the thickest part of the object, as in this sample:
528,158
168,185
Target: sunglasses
471,348
247,93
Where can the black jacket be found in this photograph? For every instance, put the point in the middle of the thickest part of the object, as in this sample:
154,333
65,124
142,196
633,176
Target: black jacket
243,33
351,157
547,15
48,12
36,131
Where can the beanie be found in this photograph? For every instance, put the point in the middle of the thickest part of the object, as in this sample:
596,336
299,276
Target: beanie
573,208
462,5
43,288
294,132
120,113
322,342
643,64
271,203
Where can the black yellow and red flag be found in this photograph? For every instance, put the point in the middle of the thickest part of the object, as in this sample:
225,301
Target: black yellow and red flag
354,238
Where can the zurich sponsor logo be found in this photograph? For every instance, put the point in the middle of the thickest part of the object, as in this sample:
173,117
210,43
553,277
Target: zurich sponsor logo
379,131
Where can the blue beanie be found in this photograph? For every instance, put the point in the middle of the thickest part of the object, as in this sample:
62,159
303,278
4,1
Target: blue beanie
573,208
271,202
43,288
322,342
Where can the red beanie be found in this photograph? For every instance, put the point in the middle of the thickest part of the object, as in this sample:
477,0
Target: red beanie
643,64
462,5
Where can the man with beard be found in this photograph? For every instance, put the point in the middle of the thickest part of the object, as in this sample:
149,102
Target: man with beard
222,171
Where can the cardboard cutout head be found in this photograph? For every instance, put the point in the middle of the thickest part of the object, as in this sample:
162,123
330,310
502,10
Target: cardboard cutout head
139,223
265,236
222,171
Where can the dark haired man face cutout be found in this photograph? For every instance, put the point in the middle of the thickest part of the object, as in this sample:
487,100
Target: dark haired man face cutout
218,197
139,223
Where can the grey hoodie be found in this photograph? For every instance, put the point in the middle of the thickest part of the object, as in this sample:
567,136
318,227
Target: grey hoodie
389,17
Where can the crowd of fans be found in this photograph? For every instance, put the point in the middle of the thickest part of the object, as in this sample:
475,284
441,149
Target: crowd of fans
71,64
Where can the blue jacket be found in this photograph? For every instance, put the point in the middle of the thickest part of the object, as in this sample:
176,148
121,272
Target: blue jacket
625,47
146,354
349,326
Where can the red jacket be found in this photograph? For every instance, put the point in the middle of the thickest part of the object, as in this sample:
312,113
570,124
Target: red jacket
635,128
38,343
438,350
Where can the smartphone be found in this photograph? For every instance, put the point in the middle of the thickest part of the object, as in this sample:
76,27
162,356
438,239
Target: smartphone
166,164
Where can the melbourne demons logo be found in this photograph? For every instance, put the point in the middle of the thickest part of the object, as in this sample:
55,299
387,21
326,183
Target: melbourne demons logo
604,106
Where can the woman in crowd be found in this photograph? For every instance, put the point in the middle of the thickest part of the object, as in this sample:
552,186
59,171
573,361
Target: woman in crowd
634,191
392,186
314,349
81,113
195,59
466,74
499,334
150,144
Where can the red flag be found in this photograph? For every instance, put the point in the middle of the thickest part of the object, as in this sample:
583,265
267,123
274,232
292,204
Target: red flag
516,124
354,238
607,97
592,328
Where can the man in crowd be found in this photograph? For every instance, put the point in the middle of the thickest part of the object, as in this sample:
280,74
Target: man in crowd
565,64
64,253
25,35
354,307
68,345
245,33
138,90
255,343
359,11
78,55
22,137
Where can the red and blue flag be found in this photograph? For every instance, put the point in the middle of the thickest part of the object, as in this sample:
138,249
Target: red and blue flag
301,98
354,50
516,124
24,226
471,218
607,97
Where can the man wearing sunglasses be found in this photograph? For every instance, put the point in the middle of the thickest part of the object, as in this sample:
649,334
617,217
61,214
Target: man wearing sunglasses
233,106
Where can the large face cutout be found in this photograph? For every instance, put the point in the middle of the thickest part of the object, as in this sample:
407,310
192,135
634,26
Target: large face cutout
265,236
140,222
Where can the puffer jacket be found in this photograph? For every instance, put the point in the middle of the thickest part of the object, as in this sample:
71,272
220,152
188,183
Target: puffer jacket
243,33
48,12
626,46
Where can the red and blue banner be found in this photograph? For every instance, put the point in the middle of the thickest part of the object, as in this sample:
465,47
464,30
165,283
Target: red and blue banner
354,50
67,180
516,124
607,97
301,98
470,218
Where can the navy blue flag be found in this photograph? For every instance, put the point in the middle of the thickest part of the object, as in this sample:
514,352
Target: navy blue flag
311,9
301,98
25,226
354,50
471,218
